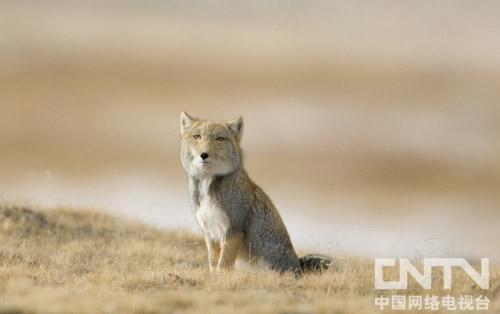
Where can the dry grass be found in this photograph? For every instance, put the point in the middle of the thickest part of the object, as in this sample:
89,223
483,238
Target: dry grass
67,261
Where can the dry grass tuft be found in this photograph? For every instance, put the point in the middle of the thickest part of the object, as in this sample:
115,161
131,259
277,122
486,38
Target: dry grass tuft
67,261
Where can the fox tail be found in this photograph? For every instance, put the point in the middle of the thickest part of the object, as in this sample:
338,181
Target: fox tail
316,263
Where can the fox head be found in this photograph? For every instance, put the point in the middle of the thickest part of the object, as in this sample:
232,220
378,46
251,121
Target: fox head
210,148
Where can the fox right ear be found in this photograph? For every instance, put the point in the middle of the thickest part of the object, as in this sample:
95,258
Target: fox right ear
236,125
186,121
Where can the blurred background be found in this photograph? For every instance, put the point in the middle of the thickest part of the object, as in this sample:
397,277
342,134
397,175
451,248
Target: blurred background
373,125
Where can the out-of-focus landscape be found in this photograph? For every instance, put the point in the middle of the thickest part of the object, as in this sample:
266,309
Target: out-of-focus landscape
373,126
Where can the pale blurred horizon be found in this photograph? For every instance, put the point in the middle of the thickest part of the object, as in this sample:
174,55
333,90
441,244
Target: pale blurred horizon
373,126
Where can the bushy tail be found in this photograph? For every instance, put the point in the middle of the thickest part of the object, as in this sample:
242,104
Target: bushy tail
315,263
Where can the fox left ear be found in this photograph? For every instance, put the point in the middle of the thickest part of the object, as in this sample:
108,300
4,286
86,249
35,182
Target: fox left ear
236,125
186,121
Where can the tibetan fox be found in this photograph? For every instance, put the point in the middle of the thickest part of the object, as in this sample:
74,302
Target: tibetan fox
237,218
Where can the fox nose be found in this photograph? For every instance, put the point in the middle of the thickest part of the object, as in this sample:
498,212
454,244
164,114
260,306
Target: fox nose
204,156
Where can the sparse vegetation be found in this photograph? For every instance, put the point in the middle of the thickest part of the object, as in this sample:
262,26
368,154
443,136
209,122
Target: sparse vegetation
68,261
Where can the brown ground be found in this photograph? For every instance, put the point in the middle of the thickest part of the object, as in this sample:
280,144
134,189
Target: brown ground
68,261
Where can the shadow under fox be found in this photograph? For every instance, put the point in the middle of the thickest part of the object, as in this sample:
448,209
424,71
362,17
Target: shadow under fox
237,218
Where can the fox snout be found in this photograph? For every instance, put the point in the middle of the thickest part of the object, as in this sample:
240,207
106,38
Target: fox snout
203,152
204,155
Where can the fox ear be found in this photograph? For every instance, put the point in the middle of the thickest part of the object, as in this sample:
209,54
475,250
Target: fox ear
186,121
236,125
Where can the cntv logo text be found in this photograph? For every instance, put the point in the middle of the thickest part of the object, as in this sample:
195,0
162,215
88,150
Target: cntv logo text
482,279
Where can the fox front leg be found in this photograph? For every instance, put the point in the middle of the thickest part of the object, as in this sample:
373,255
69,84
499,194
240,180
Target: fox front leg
229,250
213,250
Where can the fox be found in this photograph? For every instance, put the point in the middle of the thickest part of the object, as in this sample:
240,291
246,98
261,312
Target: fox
237,218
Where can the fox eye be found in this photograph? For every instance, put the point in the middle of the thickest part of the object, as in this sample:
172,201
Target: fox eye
197,136
219,138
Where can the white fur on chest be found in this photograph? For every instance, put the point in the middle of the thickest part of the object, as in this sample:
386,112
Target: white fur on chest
212,219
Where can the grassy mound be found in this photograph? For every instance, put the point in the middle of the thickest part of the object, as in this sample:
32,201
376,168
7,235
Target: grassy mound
69,261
